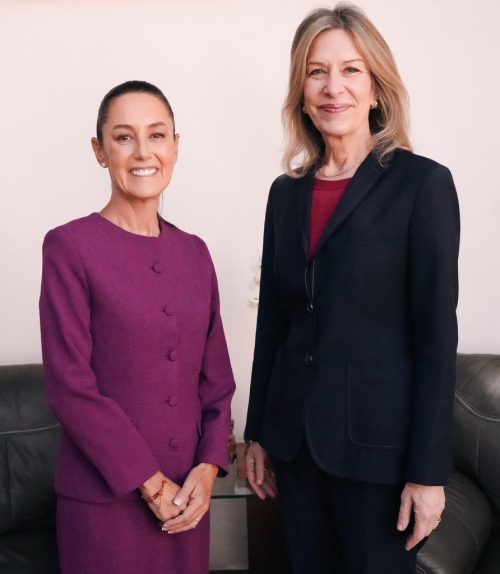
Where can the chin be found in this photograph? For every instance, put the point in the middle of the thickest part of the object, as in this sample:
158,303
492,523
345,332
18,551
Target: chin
142,194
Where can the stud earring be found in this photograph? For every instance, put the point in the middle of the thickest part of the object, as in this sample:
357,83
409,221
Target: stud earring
304,110
104,164
374,105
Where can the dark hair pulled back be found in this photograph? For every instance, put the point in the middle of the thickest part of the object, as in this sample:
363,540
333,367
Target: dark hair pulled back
130,87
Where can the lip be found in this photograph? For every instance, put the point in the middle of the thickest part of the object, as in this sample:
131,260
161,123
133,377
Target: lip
335,108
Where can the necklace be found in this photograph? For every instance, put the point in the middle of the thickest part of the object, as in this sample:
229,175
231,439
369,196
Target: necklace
341,172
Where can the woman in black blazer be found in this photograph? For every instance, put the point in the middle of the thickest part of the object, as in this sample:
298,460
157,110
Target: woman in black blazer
354,367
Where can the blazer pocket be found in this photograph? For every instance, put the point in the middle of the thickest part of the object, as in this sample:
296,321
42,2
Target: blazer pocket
379,402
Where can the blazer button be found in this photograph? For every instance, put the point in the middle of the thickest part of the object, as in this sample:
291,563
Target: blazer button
168,310
173,401
157,268
172,355
174,443
310,308
308,360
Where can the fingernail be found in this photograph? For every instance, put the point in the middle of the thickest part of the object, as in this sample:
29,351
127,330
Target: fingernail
400,527
259,482
177,501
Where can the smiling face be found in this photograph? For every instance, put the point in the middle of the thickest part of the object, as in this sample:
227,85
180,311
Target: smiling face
338,88
138,146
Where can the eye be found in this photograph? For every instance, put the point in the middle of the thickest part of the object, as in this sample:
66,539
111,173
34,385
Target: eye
317,72
123,138
158,135
351,70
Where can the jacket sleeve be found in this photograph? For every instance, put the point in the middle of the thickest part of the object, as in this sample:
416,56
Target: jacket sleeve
216,387
433,278
94,422
271,323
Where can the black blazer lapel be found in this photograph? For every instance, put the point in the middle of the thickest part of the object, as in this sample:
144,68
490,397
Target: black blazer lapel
363,181
303,191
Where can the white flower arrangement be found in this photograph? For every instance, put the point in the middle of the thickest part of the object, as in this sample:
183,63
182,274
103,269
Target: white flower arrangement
256,269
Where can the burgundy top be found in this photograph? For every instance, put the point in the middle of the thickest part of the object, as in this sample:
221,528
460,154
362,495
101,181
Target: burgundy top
134,354
326,197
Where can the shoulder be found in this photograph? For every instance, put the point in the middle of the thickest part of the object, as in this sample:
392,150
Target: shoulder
285,187
283,180
283,183
188,241
431,184
68,236
417,166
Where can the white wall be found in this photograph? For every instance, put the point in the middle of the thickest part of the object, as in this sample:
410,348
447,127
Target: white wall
224,65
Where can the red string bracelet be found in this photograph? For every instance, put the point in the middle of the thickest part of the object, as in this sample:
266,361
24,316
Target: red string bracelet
151,499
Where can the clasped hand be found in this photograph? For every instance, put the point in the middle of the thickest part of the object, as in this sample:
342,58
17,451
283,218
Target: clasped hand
181,508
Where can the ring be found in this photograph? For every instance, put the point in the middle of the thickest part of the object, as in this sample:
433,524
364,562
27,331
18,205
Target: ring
196,520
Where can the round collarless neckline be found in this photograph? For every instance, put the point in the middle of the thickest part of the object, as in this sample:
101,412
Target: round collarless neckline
331,183
131,234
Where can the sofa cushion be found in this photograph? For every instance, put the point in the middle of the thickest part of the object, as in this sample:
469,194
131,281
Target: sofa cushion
31,551
456,545
476,449
490,560
29,436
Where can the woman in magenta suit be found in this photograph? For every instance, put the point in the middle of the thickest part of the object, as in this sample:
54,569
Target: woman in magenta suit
135,360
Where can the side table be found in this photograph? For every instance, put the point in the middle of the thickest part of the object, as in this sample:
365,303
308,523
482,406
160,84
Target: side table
266,541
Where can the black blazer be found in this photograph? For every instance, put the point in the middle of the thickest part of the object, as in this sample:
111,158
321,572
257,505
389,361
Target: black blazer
356,348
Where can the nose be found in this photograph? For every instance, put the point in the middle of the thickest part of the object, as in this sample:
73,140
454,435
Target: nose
334,83
141,149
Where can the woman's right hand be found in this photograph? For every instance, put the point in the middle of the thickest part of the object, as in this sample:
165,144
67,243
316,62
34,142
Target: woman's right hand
163,507
259,471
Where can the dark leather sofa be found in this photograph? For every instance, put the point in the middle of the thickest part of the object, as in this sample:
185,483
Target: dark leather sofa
29,436
466,542
468,538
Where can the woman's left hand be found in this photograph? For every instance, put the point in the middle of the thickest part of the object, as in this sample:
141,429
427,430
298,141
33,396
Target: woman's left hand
427,503
195,492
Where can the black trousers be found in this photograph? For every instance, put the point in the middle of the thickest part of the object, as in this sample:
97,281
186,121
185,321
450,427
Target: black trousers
337,526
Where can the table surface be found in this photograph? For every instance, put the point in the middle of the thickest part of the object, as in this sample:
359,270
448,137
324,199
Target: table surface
231,486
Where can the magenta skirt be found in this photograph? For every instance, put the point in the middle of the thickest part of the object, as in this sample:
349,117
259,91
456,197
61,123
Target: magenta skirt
125,538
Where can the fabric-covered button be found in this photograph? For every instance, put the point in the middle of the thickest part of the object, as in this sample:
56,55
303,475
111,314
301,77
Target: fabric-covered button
168,310
174,443
172,355
308,360
173,401
157,268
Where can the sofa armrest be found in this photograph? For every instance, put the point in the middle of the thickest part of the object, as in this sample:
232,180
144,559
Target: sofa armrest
456,545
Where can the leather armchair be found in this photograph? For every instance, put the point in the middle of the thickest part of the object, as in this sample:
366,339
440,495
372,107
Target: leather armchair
468,539
29,437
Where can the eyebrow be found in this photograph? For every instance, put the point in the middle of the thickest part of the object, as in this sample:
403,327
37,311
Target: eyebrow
344,62
128,127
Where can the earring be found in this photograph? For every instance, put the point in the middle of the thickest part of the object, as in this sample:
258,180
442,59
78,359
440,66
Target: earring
374,105
104,164
304,110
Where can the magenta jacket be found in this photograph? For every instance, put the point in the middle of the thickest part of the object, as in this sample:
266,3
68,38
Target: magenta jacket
135,359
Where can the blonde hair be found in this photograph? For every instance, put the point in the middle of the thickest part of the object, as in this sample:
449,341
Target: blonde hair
389,123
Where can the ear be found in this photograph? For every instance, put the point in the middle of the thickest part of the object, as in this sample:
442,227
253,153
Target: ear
99,152
177,137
